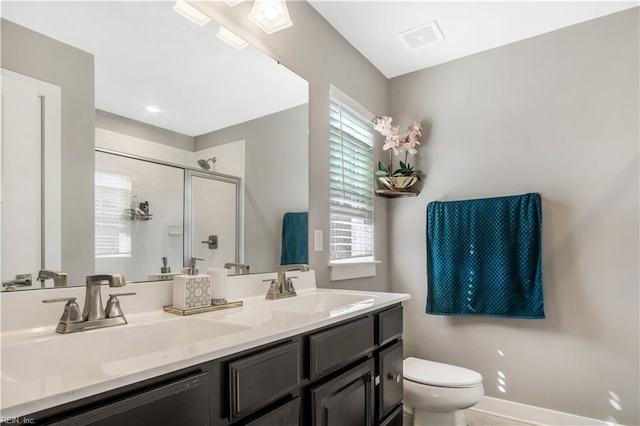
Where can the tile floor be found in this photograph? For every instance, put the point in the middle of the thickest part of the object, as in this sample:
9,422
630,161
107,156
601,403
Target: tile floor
476,418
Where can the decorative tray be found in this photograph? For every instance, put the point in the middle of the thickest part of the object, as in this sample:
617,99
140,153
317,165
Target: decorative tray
173,310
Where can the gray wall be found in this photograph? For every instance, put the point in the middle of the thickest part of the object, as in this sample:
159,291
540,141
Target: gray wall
276,178
319,54
555,114
138,129
32,54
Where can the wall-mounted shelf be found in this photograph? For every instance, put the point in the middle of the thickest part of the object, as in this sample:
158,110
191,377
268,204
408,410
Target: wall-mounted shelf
138,214
396,193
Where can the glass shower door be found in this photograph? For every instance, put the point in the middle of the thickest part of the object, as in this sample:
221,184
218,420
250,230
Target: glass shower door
213,220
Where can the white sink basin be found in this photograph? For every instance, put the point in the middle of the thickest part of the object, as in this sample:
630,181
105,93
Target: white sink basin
106,352
332,304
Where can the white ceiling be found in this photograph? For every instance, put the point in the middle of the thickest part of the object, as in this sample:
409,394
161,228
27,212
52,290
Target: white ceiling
469,27
146,54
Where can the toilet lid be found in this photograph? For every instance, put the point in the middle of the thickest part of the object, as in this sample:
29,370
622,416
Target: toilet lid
439,374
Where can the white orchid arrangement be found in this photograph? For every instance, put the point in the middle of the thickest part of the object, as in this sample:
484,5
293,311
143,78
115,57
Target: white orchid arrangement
397,144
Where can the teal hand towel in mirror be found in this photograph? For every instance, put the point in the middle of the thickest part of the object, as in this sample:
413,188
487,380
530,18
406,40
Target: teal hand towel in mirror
484,257
295,238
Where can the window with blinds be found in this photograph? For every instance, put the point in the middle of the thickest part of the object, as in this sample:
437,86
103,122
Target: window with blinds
352,185
113,227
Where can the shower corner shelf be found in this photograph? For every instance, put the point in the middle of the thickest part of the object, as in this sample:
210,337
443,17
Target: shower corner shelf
138,215
396,193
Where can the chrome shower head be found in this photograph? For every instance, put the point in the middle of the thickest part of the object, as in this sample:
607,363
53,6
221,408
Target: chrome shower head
204,164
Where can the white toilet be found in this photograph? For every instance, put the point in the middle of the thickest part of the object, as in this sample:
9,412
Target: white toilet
435,394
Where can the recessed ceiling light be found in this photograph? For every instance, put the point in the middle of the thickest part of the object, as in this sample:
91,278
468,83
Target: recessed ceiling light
152,108
191,13
270,15
229,37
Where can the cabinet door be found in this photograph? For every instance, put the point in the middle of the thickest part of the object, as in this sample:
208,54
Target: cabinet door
285,415
346,400
184,402
389,393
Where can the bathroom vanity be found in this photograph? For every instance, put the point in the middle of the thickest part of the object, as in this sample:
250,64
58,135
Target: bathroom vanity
325,357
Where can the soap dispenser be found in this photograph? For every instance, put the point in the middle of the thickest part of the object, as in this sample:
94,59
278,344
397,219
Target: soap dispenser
165,269
191,290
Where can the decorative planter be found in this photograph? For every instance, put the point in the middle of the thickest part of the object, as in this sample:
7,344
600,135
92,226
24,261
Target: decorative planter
398,182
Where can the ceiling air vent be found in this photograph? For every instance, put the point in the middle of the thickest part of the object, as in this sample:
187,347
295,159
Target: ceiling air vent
422,36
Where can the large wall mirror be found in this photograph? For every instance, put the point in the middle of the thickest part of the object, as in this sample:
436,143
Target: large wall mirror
126,95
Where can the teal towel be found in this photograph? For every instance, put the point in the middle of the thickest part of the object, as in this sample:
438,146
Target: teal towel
295,238
484,257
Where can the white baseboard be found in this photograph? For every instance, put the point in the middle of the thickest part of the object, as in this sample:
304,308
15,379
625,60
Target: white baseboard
533,415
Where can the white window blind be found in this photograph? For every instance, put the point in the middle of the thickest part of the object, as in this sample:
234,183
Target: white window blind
352,186
113,227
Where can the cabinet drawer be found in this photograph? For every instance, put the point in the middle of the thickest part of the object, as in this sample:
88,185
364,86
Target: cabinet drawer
336,347
389,392
260,379
285,415
178,403
389,325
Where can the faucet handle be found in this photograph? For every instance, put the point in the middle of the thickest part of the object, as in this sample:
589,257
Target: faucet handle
288,283
71,312
113,309
274,289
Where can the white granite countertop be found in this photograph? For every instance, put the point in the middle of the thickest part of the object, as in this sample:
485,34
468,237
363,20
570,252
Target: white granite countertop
43,369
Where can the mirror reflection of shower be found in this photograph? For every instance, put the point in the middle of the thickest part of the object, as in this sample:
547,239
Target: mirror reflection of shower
204,164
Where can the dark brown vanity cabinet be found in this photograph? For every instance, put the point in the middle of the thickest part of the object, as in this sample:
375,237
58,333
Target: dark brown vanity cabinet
344,374
358,368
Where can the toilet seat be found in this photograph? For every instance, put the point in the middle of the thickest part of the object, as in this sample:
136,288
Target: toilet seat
433,373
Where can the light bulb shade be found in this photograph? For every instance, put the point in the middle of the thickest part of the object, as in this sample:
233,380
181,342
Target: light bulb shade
229,37
191,13
270,15
232,3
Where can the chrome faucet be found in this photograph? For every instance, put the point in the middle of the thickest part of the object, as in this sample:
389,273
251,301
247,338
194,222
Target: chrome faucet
282,286
22,280
244,269
93,309
59,278
93,315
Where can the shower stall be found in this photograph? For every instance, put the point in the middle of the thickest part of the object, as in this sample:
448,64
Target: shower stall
185,207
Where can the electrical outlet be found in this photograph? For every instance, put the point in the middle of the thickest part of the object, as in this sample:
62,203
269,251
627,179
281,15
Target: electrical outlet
317,240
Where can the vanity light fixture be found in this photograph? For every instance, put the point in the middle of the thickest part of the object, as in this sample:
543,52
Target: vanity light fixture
229,37
270,15
191,13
